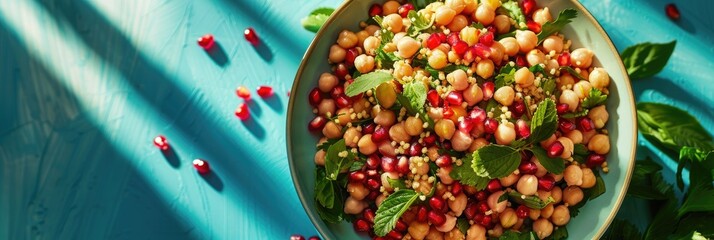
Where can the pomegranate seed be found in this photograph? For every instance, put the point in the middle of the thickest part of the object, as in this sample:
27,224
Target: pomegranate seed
491,29
454,98
446,145
595,160
562,108
555,149
481,195
477,115
375,10
361,225
453,38
315,97
415,149
403,165
526,155
314,238
443,161
373,195
389,164
400,226
521,61
422,214
519,107
546,183
437,218
395,235
403,10
586,124
528,6
522,128
350,57
373,161
433,41
490,126
288,93
297,237
368,129
481,50
206,41
429,140
447,112
380,134
564,59
373,174
483,207
250,35
442,37
242,111
201,166
337,91
373,184
456,188
466,125
265,91
161,143
494,185
243,92
437,203
368,214
461,47
533,26
486,39
479,217
357,177
487,220
522,211
433,97
471,210
317,123
566,126
343,101
672,11
487,89
341,71
527,167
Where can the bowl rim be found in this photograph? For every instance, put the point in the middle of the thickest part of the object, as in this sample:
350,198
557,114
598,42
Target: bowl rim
341,8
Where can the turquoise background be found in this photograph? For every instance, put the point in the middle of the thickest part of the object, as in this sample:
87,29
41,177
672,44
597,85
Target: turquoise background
86,84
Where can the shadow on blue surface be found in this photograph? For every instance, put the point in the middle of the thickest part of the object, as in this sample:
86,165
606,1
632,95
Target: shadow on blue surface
218,54
171,157
263,50
672,90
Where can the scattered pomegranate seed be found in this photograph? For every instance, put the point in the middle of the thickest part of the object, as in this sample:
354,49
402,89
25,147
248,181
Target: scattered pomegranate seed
522,128
251,36
437,204
314,238
341,71
453,38
436,218
242,111
400,226
519,108
389,164
471,210
442,37
528,6
487,89
490,126
403,10
350,57
477,115
357,177
373,174
206,41
201,166
161,143
433,41
595,160
562,108
375,10
373,161
546,183
422,214
456,188
564,59
380,134
466,125
429,140
528,167
586,124
461,47
672,11
317,123
265,91
297,237
494,185
533,26
433,97
454,98
479,217
555,149
361,225
243,92
337,91
522,211
486,39
395,235
565,125
315,97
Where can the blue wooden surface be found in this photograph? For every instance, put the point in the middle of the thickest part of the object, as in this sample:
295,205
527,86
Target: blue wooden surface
86,84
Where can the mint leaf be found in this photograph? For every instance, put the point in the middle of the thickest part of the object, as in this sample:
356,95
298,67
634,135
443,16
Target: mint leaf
356,166
420,4
326,145
697,222
334,163
453,67
463,225
572,72
620,229
533,202
466,175
564,17
316,19
598,189
513,235
495,161
583,112
545,121
561,233
548,85
647,182
555,165
506,76
419,23
366,82
396,183
647,59
671,127
328,198
392,209
385,59
594,99
696,157
512,9
415,92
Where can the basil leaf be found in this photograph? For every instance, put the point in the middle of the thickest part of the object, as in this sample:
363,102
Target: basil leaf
620,229
697,222
555,165
466,175
572,72
463,225
560,233
506,76
594,99
702,163
533,202
419,22
366,82
581,113
647,59
670,127
356,166
392,209
598,189
647,182
545,121
661,224
495,161
549,28
328,198
512,9
334,162
316,19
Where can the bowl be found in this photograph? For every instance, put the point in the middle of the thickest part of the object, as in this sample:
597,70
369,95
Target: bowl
584,31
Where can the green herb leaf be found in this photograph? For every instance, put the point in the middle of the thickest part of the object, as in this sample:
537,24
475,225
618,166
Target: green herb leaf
506,76
326,145
512,9
661,224
572,72
420,4
513,235
561,233
647,59
385,59
466,175
453,67
503,197
621,229
316,19
356,166
697,222
419,23
530,201
495,161
366,82
595,98
671,127
647,181
555,165
416,93
598,189
392,209
334,163
548,85
396,183
463,225
583,112
545,121
564,17
328,198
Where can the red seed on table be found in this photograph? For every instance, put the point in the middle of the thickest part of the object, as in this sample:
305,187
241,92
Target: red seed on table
546,183
436,218
161,143
555,149
564,59
243,92
672,11
265,91
251,36
201,166
361,225
297,237
206,41
317,123
242,111
403,10
375,10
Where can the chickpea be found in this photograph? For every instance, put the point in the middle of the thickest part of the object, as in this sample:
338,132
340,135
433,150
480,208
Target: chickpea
484,68
445,128
337,54
508,218
527,185
599,78
390,7
364,63
454,234
477,144
434,234
557,194
535,57
320,158
575,136
397,37
561,215
599,116
386,95
437,60
398,133
414,126
502,24
459,22
370,45
357,191
385,118
332,130
553,43
343,116
543,228
444,15
407,47
599,144
541,171
354,206
493,203
444,48
386,176
518,225
551,65
366,146
470,6
527,40
542,16
581,57
589,179
504,95
476,232
386,148
534,214
393,22
327,82
571,98
461,141
568,146
469,35
582,89
458,80
588,135
444,176
361,105
583,73
510,44
352,136
509,180
547,211
347,39
458,204
484,14
546,143
473,94
556,177
402,69
505,133
543,195
565,79
432,153
572,195
371,29
497,51
424,187
524,77
456,5
452,56
418,230
326,106
573,175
